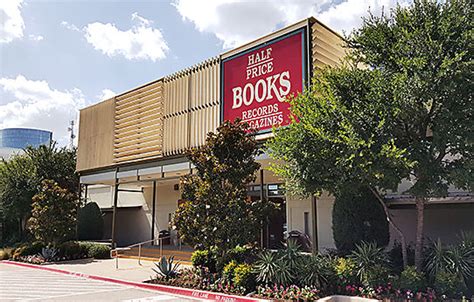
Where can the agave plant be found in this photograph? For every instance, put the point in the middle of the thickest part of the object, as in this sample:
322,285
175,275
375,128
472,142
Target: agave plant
368,258
271,268
456,259
48,254
291,255
314,271
167,268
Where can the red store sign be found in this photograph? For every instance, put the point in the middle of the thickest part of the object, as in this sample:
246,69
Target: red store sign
256,83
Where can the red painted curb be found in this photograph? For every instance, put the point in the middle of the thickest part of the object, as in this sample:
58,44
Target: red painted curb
187,292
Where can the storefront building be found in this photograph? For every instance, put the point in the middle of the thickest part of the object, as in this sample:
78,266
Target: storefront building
130,154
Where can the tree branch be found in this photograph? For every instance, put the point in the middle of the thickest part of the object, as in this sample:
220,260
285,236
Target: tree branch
390,221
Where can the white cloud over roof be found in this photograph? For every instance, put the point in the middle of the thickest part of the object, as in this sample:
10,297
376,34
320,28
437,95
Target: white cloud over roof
11,21
235,22
141,42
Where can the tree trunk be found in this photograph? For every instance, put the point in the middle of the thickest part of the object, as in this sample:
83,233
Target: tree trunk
420,209
394,226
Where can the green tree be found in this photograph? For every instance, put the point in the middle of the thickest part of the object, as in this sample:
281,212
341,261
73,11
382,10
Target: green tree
90,222
408,115
358,217
216,211
21,177
53,214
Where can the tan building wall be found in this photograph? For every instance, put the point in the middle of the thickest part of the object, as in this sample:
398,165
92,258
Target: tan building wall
96,136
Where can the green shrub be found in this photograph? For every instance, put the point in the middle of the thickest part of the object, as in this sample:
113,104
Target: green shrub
396,258
357,217
455,259
244,277
228,271
28,249
449,284
315,270
98,251
345,269
413,280
72,250
241,254
90,225
205,258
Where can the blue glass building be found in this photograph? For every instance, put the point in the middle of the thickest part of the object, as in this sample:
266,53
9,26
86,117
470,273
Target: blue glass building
13,140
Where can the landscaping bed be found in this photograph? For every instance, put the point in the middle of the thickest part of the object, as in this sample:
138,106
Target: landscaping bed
40,253
289,274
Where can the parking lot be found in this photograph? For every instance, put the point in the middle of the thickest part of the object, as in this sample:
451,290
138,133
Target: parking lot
26,284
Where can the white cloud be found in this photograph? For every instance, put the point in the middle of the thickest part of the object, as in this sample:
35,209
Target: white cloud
235,22
11,21
36,38
106,94
141,42
31,103
70,26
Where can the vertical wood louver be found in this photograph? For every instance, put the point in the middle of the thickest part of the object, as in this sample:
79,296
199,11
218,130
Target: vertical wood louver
191,106
138,123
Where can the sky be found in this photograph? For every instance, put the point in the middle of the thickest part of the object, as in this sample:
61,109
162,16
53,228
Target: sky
59,56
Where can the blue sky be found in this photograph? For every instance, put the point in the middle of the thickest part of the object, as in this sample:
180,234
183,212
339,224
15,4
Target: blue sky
59,56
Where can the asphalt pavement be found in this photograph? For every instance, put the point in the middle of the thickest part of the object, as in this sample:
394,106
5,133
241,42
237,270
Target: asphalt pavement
28,284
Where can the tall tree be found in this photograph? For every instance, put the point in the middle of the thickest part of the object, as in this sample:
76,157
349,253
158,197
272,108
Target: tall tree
21,177
54,214
216,211
408,115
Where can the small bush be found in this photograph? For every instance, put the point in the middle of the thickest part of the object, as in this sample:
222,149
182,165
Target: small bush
90,225
98,251
396,258
72,250
345,269
28,249
228,271
205,258
449,284
413,280
241,254
243,276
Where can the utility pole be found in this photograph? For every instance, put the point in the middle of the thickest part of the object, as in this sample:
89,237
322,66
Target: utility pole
72,136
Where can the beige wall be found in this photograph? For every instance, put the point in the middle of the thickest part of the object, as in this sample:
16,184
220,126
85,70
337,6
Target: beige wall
96,136
445,221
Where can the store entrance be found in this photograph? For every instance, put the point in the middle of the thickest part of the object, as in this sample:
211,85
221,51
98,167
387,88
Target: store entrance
275,230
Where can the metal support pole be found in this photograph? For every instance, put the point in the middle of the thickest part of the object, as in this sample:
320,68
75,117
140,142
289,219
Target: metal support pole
114,213
153,212
86,189
262,196
139,254
314,222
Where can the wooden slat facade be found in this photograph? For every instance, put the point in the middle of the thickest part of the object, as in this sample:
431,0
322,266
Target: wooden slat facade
327,47
138,132
96,136
191,106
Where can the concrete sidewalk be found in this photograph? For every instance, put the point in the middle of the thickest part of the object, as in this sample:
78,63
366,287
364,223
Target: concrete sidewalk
128,270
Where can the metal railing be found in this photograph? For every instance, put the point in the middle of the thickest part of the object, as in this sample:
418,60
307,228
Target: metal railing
139,245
